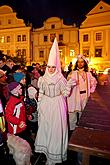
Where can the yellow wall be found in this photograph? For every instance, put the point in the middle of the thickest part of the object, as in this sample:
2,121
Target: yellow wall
97,21
70,40
13,28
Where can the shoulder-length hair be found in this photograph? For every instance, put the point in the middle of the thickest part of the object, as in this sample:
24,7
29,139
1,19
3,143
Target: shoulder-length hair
85,66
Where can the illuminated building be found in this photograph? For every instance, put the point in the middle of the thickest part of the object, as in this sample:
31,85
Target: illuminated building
14,35
33,45
67,37
94,36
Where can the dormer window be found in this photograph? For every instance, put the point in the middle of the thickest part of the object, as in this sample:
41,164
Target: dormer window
9,21
101,7
53,26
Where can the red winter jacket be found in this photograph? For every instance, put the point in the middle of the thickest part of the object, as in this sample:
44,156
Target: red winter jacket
15,113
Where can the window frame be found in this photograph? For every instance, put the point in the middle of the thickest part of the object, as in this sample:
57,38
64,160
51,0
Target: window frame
85,37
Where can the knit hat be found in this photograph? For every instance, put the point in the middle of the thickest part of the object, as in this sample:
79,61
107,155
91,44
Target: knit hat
32,92
18,76
54,57
14,87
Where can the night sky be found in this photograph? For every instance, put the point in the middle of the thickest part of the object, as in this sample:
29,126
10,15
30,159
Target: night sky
37,11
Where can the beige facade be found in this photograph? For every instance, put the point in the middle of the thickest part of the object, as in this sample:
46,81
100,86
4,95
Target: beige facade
94,36
67,37
15,37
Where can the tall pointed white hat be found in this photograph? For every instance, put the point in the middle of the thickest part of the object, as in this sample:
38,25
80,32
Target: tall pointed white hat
54,56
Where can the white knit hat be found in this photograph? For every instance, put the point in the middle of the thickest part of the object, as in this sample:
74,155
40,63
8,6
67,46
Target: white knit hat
54,57
32,92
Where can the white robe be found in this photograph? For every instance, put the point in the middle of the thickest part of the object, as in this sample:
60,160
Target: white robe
52,136
75,102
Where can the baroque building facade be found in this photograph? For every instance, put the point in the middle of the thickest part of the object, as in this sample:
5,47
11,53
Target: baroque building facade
14,35
94,36
67,37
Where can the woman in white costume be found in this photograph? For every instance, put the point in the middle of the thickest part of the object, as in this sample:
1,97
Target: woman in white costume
52,136
80,93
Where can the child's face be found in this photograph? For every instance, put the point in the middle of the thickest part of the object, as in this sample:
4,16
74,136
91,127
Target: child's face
20,91
23,81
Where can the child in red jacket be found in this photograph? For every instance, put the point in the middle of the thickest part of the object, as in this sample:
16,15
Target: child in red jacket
15,110
16,114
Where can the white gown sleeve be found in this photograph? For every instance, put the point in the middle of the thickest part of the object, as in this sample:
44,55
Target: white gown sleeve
68,86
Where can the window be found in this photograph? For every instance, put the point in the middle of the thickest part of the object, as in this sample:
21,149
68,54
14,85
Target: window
52,36
23,37
2,39
24,52
85,37
9,21
41,54
101,7
98,36
19,38
72,52
8,38
45,38
98,52
86,52
60,37
53,26
19,53
8,52
61,53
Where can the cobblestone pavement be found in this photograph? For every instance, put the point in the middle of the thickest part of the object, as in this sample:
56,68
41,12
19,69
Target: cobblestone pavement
40,159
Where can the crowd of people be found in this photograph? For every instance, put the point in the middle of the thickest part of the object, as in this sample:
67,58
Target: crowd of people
35,103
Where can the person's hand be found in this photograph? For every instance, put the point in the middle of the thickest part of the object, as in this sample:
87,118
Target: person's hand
73,82
22,124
